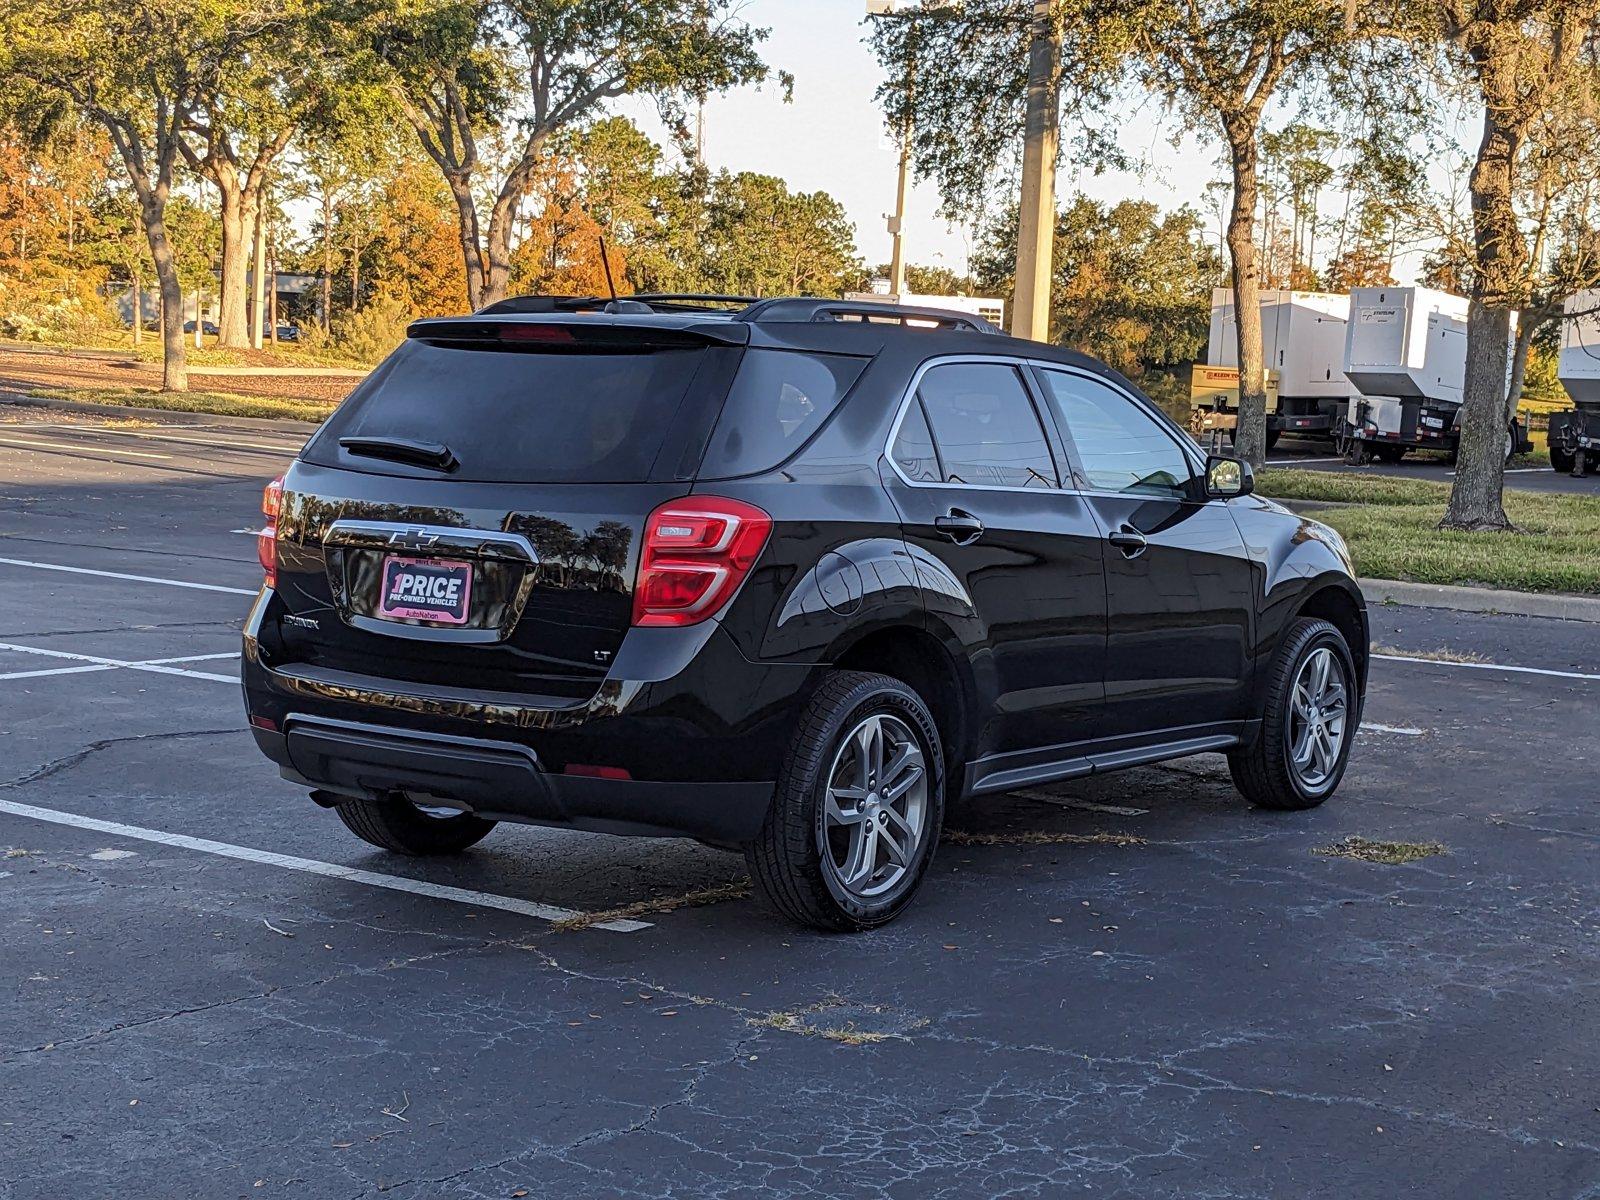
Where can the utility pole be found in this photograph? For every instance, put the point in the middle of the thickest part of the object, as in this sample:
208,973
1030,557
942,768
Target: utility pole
897,223
897,219
1036,226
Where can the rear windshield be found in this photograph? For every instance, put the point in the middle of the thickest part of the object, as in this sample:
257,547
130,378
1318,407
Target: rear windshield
779,399
545,416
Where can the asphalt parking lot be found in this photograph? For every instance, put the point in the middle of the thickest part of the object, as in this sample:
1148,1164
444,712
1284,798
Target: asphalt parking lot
1310,455
1130,986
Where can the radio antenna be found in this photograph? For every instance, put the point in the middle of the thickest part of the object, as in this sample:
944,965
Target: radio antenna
605,261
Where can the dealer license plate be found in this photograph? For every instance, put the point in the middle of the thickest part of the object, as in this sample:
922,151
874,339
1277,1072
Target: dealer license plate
426,589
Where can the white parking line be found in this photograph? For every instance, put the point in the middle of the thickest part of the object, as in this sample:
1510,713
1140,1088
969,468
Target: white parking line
1477,666
28,444
224,444
311,866
156,666
181,583
1401,730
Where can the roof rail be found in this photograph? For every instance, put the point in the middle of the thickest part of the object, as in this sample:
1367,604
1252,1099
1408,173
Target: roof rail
659,302
870,311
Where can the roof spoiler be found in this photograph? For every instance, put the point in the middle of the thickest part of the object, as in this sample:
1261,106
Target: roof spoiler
556,330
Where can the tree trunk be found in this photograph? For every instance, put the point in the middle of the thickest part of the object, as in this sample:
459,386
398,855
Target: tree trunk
1250,439
1500,252
327,260
1475,497
1519,363
233,289
138,310
175,372
471,247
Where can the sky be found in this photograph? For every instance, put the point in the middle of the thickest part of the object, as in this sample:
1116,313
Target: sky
832,137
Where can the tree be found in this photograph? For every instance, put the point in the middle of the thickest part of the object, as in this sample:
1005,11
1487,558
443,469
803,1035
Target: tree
762,239
1519,60
235,138
537,67
1217,64
1130,285
142,70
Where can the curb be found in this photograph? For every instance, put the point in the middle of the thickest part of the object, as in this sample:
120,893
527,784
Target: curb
158,415
1558,605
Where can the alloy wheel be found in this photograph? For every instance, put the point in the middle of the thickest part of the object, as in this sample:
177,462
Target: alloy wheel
1318,712
875,810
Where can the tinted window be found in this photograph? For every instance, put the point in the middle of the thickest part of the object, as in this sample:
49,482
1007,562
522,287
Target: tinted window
518,415
778,400
985,426
913,447
1120,446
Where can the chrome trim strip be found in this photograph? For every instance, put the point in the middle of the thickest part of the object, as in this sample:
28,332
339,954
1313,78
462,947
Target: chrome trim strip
378,535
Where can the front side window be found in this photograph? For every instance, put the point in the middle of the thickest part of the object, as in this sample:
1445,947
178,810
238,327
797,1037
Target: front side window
1120,446
985,427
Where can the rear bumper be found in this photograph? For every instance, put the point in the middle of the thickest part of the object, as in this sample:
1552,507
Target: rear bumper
504,781
684,738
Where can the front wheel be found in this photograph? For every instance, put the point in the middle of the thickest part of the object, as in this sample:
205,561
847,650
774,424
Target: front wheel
856,813
1561,461
395,823
1307,725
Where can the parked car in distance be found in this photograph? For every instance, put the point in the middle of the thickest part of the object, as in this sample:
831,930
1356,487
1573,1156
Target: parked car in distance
210,327
787,576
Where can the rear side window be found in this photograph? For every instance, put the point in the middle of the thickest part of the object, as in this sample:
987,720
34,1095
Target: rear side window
778,400
518,415
913,447
985,426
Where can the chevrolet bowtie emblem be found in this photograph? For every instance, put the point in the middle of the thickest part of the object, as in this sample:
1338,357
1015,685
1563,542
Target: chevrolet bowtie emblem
412,538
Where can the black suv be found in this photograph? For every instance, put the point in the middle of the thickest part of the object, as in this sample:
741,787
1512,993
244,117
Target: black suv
789,577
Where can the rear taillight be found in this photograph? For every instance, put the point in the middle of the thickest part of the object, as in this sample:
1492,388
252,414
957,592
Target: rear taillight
267,539
696,553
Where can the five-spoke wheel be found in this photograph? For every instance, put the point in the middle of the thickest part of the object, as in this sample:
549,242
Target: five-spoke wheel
876,808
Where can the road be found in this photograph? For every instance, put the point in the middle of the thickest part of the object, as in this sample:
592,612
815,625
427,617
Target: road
1319,456
1133,986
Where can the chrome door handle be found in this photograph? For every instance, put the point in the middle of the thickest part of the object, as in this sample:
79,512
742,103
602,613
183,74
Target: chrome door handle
1130,541
960,526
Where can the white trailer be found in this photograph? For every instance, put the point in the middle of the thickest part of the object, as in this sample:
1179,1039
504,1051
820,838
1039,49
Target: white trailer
1302,348
1579,366
1406,342
1575,434
1406,355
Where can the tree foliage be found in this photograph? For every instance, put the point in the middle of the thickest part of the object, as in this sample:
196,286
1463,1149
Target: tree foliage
1131,285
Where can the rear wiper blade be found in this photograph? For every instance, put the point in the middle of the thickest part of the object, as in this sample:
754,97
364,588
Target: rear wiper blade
407,450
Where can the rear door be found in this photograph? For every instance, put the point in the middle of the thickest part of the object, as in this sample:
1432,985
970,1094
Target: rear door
1179,585
978,490
471,516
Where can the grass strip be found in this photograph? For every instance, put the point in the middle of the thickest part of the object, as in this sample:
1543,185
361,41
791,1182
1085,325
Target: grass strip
222,404
1392,529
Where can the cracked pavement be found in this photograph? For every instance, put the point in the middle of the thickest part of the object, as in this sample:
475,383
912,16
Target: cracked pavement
1212,1011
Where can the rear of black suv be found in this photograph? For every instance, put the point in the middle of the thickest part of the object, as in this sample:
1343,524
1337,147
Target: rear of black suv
493,584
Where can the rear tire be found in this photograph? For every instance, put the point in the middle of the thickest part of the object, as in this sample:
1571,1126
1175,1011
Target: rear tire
1267,773
395,823
1560,461
1389,454
835,793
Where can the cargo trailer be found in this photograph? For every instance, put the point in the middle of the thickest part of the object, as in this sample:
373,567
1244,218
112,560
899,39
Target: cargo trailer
1405,355
1302,348
1575,433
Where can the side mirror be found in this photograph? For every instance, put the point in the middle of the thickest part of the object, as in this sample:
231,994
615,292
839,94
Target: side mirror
1228,477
